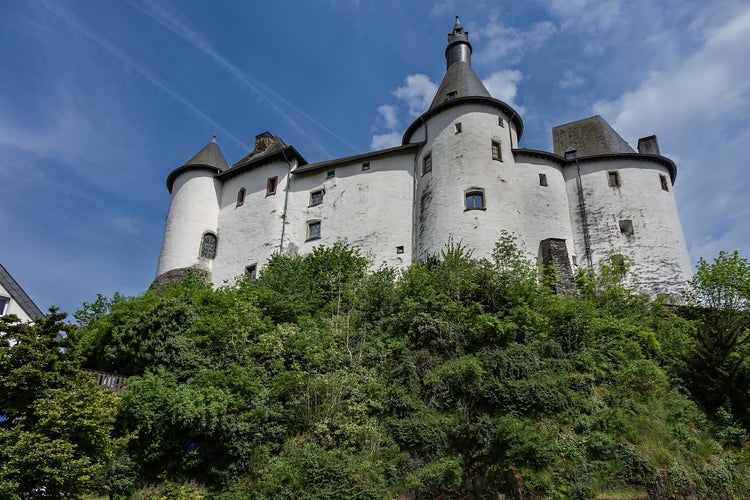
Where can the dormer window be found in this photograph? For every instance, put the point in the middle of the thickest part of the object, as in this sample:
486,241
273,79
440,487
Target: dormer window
452,95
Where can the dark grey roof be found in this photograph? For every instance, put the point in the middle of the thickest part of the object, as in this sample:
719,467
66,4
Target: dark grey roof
209,157
461,79
589,136
356,158
18,295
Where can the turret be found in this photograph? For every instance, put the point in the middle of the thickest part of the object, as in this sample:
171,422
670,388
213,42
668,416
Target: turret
459,48
190,233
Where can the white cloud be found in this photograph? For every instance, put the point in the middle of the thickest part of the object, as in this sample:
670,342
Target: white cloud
389,113
417,93
503,85
500,43
443,9
383,141
571,79
126,223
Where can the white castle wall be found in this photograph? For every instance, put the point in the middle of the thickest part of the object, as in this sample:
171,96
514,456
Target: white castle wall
193,210
657,245
250,233
461,162
370,209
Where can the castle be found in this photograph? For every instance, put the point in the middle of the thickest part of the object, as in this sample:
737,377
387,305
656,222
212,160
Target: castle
458,173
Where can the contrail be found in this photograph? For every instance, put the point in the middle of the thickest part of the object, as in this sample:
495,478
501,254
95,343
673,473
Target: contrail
171,22
137,67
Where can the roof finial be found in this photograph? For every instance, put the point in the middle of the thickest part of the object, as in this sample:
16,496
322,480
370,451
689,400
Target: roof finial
457,25
213,139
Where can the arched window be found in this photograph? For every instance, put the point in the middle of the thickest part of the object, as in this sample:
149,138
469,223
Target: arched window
208,246
475,199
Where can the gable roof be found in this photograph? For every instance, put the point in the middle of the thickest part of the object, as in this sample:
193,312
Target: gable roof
18,295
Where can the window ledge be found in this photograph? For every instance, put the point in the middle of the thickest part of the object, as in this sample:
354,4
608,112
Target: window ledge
312,239
479,208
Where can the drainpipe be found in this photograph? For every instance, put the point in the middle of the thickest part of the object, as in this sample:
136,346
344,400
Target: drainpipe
414,216
571,154
286,200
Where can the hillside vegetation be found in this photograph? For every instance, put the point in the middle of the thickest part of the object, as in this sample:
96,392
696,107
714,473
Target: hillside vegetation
458,377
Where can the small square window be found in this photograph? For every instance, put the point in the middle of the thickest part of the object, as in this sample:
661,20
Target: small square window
474,200
664,183
271,185
240,196
400,249
542,179
330,174
496,152
251,272
458,127
366,166
427,164
316,197
626,228
614,178
313,230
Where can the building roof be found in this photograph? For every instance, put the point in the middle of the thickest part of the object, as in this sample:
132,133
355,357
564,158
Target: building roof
356,158
209,157
267,148
589,136
18,295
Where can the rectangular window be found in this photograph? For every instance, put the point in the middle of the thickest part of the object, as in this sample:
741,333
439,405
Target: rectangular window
614,178
501,122
271,185
474,200
427,164
330,174
316,197
366,166
4,302
496,153
313,230
542,179
251,272
400,249
664,184
458,127
240,196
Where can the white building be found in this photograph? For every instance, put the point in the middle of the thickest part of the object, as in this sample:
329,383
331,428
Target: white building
459,173
13,300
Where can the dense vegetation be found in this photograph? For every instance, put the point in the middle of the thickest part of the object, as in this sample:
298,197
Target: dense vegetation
326,379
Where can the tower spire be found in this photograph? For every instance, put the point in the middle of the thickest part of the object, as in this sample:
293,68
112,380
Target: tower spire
459,48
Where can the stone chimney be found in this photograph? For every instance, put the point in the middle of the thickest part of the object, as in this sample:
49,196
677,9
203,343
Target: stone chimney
263,142
648,145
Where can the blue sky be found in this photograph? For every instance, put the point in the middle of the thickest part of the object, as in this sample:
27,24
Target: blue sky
100,100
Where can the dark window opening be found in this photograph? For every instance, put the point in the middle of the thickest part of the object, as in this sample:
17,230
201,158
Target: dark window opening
4,303
316,197
271,185
400,249
240,196
501,122
251,272
427,164
542,179
208,246
614,179
366,166
664,184
452,95
475,200
626,228
458,127
496,153
330,174
313,230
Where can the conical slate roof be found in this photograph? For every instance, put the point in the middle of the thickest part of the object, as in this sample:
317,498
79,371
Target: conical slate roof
209,156
459,81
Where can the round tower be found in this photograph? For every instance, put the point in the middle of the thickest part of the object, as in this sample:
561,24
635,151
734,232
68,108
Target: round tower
467,186
190,232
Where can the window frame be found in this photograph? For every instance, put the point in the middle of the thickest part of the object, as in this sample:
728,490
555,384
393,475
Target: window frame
399,249
320,192
241,196
543,180
251,271
310,225
458,127
272,185
473,193
366,166
4,305
497,152
427,163
331,174
202,253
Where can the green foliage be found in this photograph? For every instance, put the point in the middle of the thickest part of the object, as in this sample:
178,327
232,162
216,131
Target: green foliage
56,439
458,377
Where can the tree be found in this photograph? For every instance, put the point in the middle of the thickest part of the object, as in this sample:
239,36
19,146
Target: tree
55,440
